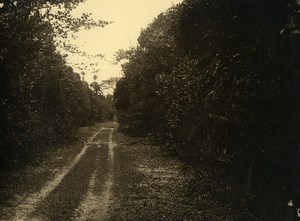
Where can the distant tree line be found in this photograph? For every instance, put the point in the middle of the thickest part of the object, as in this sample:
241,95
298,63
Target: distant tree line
218,82
42,100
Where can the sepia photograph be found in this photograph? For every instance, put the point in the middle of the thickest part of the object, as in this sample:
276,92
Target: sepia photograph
149,110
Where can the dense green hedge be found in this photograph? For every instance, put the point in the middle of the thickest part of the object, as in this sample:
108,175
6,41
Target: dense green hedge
219,82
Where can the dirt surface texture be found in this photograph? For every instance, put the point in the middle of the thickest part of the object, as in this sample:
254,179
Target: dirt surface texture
105,176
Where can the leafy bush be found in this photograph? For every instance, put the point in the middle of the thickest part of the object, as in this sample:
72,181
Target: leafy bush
219,79
42,100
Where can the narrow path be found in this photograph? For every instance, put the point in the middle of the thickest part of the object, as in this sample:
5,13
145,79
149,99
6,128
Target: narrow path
81,190
114,177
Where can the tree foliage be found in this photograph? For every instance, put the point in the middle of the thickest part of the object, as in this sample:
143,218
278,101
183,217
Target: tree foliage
42,100
218,82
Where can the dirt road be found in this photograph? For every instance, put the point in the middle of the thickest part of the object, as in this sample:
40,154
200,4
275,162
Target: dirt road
110,177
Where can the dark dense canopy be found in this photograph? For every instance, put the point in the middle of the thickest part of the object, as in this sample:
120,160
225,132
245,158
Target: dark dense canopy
42,100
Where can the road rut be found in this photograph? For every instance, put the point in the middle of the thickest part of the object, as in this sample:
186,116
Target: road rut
80,191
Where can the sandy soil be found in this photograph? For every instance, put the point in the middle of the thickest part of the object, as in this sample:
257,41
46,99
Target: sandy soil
149,185
105,176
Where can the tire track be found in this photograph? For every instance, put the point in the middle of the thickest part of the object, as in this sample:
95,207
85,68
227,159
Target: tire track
96,204
28,206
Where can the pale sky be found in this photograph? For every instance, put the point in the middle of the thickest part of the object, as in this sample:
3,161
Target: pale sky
128,17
